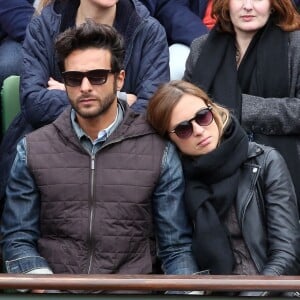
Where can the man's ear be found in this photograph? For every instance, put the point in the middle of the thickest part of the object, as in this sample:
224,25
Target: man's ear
120,79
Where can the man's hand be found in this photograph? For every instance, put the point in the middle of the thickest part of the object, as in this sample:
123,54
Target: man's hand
55,85
131,98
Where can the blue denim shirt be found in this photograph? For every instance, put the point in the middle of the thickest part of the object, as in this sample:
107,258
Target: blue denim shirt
20,224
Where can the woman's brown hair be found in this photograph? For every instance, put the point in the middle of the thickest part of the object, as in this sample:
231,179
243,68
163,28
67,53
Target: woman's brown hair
284,14
167,96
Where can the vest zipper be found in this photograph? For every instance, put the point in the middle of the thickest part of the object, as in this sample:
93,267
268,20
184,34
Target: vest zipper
91,211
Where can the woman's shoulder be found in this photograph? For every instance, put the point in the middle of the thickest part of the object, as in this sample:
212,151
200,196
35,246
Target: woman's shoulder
199,41
196,48
294,38
264,155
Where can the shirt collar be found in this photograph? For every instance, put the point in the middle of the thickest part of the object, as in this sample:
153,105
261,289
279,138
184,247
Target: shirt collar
103,134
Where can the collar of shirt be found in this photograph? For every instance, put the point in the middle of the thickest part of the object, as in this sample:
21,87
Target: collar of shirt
86,141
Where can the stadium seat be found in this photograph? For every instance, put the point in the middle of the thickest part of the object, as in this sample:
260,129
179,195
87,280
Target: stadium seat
10,103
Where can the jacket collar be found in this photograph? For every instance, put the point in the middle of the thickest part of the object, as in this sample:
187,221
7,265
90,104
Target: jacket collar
254,150
133,125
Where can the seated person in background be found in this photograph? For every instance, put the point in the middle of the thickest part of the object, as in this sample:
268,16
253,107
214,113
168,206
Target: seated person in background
92,192
184,20
239,194
14,18
43,96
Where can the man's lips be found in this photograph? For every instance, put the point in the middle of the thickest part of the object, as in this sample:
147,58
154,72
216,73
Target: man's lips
86,100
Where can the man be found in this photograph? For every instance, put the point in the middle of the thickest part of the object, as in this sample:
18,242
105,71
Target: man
183,20
84,191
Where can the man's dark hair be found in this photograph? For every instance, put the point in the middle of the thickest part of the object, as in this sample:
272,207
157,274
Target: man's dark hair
91,35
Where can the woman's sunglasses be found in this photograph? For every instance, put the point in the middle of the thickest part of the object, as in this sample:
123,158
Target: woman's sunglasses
203,117
95,77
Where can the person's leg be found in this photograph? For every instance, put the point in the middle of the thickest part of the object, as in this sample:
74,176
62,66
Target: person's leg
11,58
178,56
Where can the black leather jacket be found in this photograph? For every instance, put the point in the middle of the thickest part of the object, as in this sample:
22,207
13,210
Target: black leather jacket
267,212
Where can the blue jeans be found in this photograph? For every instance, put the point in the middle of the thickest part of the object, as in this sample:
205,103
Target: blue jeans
11,58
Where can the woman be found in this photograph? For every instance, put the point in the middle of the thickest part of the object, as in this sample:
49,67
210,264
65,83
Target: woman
239,194
250,62
43,95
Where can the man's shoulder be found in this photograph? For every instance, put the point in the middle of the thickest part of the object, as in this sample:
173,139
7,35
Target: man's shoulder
40,133
47,131
138,122
135,124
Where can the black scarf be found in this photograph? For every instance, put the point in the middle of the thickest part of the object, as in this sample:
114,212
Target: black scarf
262,72
211,186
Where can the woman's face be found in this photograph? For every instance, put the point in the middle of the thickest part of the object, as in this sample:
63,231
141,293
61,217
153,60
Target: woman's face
248,16
203,139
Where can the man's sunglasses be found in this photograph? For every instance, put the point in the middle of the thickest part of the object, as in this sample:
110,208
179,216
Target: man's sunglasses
203,117
95,77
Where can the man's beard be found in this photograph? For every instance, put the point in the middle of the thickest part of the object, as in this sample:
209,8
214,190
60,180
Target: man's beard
105,104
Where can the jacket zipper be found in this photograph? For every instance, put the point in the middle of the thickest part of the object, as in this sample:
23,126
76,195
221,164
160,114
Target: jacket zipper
91,212
242,229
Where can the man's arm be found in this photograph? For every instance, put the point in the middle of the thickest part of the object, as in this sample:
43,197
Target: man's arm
20,220
173,229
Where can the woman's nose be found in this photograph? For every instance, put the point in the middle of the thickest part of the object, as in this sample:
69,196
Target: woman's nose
247,4
197,129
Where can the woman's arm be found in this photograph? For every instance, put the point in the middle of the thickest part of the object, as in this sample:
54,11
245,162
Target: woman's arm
282,219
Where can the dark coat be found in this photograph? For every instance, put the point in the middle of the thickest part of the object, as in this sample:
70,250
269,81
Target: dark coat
14,18
267,212
182,19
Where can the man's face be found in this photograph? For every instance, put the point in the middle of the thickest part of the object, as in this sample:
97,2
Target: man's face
92,100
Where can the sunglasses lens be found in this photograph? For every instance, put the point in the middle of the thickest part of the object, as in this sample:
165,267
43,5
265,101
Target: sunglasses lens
204,117
95,77
72,78
184,130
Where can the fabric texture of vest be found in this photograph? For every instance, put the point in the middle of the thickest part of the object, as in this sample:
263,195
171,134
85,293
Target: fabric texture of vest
96,212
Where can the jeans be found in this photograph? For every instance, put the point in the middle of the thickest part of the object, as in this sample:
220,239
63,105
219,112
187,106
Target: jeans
11,58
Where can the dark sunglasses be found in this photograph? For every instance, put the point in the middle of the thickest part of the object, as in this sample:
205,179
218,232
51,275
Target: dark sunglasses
95,77
203,117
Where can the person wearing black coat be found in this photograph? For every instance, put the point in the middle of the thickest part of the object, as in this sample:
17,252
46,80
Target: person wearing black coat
239,194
